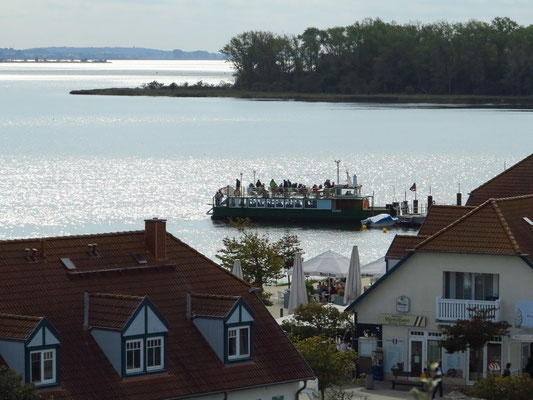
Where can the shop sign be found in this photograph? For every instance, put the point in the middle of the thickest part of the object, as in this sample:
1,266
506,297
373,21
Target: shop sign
402,320
402,304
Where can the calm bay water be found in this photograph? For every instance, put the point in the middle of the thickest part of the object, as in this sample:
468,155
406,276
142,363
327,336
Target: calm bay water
85,164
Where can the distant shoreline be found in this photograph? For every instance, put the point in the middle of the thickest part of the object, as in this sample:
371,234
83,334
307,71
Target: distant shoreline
55,61
455,101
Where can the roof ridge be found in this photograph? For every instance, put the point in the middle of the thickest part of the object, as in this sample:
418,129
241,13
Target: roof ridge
451,206
21,317
505,225
79,236
215,296
117,296
503,172
523,196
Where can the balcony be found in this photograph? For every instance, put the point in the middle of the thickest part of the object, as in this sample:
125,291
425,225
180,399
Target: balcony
451,310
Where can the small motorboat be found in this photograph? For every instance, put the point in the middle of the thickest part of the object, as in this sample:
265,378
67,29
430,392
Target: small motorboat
379,221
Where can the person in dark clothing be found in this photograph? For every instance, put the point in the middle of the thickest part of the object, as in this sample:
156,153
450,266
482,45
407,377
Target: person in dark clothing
438,375
258,184
237,184
507,370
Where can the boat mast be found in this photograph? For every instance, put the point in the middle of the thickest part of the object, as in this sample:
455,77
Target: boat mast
338,178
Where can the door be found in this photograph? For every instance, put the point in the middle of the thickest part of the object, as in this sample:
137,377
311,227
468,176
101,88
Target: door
417,358
475,365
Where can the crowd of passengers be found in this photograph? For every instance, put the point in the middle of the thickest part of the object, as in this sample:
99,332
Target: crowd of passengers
273,188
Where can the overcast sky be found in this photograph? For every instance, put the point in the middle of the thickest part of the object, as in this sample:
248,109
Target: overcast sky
209,24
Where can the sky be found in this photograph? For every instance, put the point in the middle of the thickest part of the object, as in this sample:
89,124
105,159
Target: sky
210,24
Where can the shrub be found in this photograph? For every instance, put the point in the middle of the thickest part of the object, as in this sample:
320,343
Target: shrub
497,387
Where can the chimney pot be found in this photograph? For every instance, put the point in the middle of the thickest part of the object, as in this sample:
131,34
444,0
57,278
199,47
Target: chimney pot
155,237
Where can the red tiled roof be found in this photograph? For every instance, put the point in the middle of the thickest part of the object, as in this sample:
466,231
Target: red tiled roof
111,310
514,181
212,305
495,227
401,244
17,327
46,287
440,216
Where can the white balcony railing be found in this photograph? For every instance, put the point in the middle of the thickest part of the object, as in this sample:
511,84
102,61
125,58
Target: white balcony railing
454,309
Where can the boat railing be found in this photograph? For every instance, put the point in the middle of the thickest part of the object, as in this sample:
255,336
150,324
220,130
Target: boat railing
289,192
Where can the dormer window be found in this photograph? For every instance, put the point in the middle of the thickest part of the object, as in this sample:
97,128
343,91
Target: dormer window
30,346
238,343
134,322
228,316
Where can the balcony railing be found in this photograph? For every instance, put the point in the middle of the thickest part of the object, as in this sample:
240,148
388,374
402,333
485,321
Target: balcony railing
454,309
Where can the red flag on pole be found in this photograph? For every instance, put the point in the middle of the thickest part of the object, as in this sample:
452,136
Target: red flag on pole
413,188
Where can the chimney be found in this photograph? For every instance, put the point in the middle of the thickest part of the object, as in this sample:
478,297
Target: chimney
155,237
85,310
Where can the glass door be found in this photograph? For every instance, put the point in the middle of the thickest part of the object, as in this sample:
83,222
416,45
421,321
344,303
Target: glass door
475,365
417,358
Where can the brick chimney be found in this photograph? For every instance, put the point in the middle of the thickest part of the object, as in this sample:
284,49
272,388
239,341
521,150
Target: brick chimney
155,237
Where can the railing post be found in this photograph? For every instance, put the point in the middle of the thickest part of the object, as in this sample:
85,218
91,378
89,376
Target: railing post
437,308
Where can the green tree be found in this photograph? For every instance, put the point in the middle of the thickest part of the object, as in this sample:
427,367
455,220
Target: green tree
473,333
315,319
330,366
12,387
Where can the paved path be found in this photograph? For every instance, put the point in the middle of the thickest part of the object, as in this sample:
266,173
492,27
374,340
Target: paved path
381,391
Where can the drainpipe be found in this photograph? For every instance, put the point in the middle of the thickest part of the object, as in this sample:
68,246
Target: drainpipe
226,393
297,395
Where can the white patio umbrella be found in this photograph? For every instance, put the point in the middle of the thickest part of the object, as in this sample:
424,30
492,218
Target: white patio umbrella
328,263
237,269
298,294
376,268
353,287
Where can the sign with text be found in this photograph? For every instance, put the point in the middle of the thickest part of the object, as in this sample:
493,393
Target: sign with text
402,320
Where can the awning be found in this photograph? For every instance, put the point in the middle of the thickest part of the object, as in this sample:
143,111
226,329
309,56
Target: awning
523,335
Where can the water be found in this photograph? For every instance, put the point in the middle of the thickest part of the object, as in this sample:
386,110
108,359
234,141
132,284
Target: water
87,164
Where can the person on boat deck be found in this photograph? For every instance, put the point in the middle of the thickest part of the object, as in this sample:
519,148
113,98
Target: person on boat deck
315,187
237,183
250,188
273,183
258,184
218,198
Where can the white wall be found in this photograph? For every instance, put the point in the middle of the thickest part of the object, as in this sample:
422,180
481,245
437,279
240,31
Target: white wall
421,279
288,390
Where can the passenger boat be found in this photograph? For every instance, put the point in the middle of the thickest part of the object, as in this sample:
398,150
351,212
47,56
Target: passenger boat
343,203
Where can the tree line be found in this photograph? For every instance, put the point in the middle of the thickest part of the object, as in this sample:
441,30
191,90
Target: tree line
373,56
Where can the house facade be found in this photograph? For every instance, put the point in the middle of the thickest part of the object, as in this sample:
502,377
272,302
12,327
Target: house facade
482,260
138,315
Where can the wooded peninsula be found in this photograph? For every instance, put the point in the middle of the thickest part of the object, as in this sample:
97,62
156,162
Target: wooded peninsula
372,58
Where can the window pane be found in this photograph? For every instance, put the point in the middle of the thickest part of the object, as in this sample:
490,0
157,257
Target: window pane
494,358
133,355
232,342
243,343
36,367
154,347
480,286
48,369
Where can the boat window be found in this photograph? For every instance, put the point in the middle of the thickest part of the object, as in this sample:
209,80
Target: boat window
232,202
279,203
261,203
252,203
298,204
270,203
310,204
289,203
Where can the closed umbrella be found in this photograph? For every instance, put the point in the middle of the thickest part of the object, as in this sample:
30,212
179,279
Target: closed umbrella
298,294
237,269
353,288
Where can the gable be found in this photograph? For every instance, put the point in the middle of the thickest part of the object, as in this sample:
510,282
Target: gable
240,314
145,320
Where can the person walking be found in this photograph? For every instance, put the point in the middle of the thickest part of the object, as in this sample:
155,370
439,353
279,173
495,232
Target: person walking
438,375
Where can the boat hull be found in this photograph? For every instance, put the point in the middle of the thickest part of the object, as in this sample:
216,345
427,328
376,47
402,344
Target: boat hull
303,215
